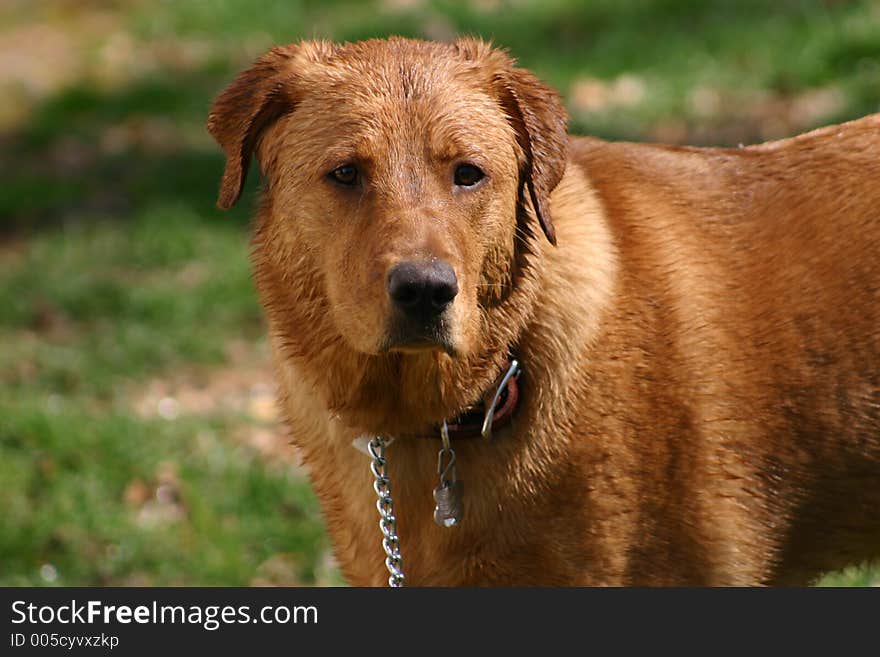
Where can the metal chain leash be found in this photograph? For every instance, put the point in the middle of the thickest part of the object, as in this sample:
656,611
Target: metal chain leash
447,496
387,519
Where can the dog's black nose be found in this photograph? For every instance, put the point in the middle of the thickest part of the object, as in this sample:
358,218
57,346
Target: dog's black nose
422,289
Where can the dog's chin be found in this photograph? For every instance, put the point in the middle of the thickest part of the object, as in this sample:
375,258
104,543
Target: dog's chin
405,390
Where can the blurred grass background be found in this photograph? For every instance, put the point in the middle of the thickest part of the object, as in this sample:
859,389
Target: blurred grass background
139,443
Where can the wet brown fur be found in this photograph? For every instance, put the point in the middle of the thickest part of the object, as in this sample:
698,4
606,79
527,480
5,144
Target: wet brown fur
701,393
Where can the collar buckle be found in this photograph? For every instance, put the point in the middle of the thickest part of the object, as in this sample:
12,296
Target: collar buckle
512,371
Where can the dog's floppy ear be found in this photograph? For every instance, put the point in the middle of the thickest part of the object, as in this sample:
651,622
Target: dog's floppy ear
256,98
541,124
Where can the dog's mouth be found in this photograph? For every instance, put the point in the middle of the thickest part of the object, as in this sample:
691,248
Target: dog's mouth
408,336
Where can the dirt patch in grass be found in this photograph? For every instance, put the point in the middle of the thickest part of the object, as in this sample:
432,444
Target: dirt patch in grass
242,389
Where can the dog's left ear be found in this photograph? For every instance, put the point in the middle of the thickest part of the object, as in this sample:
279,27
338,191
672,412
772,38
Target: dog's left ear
256,98
541,125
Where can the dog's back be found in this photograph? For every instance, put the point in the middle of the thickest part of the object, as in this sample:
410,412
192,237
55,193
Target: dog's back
755,273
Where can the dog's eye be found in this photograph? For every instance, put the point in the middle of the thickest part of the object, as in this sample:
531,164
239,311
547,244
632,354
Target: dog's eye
347,175
467,175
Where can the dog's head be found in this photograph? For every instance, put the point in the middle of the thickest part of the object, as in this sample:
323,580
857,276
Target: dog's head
405,184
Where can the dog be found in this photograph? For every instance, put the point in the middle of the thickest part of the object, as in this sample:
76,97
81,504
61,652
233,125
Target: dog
697,330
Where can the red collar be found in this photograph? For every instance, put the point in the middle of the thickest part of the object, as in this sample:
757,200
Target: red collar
471,423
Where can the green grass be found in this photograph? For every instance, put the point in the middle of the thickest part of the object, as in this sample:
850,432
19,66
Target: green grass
93,310
127,299
219,514
118,274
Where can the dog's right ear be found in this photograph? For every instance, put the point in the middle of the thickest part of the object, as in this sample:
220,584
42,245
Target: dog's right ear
256,98
540,120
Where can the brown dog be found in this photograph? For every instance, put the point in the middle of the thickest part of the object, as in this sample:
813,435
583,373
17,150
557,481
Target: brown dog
700,394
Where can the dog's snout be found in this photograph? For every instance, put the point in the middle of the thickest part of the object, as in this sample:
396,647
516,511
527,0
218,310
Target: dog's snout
422,288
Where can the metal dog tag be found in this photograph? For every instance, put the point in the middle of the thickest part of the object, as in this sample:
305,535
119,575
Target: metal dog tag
447,497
